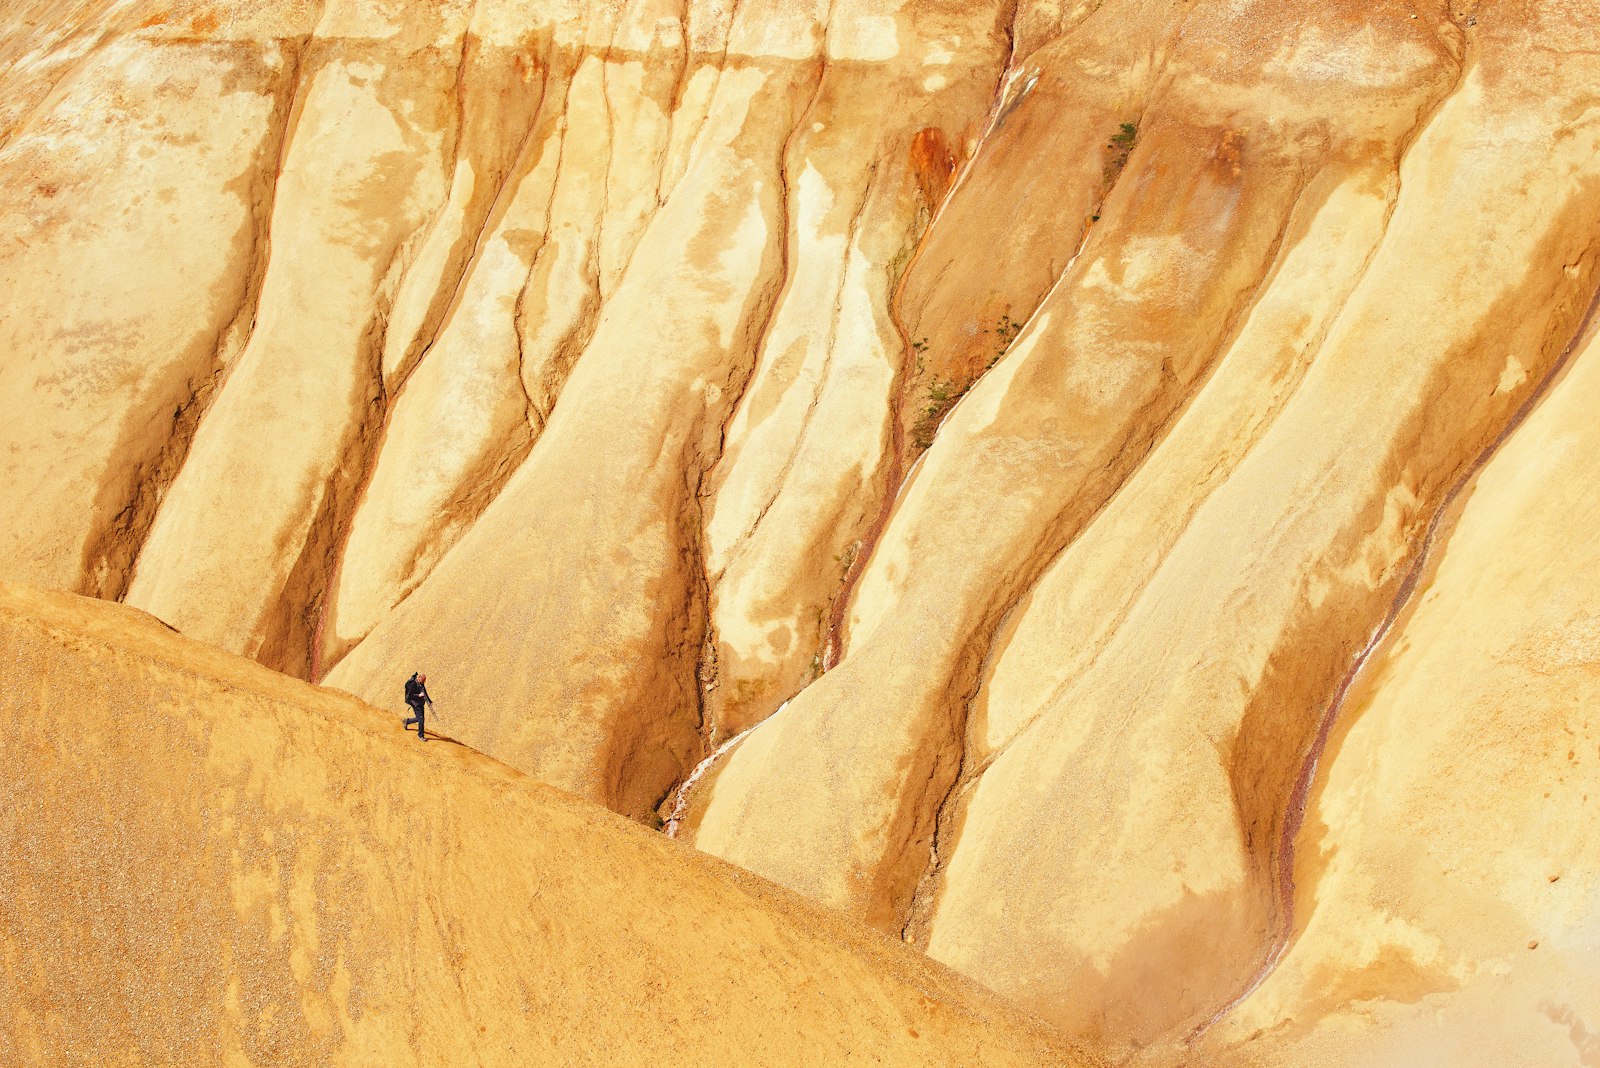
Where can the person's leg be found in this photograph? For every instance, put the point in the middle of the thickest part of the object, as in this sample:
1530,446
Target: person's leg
420,712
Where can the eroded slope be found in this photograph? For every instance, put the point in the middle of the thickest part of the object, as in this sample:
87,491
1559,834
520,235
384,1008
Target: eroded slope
1046,405
1418,935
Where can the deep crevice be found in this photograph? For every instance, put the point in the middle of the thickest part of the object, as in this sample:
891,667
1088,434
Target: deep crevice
111,559
1283,886
896,473
701,593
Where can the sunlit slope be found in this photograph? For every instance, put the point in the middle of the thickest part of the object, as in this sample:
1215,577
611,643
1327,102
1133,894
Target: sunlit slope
1447,873
1089,655
205,862
1023,419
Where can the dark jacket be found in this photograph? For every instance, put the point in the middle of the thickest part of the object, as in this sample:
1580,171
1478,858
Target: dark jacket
416,693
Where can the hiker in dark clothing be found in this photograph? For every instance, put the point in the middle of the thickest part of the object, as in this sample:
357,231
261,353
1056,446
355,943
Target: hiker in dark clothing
417,697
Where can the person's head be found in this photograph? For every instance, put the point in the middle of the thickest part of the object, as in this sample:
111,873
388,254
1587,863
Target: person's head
421,677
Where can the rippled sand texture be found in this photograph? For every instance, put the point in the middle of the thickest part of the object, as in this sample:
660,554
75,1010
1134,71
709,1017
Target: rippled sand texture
1142,448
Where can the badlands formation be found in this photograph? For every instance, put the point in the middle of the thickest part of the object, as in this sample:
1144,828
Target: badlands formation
1106,492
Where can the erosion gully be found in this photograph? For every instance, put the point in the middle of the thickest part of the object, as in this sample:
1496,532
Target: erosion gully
835,633
1294,815
895,472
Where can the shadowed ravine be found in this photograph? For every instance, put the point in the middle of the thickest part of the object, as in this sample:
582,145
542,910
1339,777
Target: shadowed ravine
1398,607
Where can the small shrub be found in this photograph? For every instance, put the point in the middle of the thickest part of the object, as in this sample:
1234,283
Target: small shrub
1118,149
1007,330
942,396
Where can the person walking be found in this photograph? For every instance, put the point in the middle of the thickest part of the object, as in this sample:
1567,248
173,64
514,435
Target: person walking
417,697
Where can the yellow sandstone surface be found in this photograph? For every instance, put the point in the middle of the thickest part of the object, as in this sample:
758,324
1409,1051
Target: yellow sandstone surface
1086,811
1095,489
1190,709
1446,875
206,862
